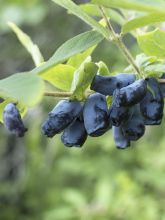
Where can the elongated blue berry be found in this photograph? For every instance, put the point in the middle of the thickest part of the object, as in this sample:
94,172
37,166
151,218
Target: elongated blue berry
153,103
120,140
62,115
75,134
107,84
12,120
95,115
134,128
118,115
130,95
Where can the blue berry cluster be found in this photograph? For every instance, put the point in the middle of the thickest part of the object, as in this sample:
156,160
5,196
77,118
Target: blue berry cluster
135,104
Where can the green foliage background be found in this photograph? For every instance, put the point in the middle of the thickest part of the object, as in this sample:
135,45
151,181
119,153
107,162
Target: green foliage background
40,179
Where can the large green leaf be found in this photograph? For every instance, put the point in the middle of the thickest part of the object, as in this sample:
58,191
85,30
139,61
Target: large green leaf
76,60
83,78
130,4
93,10
153,43
60,76
70,48
25,88
28,44
143,21
155,69
76,10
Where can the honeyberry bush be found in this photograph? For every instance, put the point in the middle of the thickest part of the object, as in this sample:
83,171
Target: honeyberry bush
156,62
79,73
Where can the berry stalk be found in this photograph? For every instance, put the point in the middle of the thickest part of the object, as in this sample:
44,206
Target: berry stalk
161,81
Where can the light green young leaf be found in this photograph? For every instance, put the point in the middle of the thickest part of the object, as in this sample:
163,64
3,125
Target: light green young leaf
70,48
142,60
155,69
76,60
28,44
78,72
25,88
143,21
129,4
93,10
103,69
76,10
153,43
2,106
83,78
109,100
60,76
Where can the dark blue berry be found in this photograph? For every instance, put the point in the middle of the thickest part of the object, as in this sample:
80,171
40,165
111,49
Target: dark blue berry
118,115
95,115
120,140
130,95
12,120
153,103
107,84
61,116
134,128
75,134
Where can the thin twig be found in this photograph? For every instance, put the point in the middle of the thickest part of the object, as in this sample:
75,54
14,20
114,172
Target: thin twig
161,81
66,94
114,37
58,94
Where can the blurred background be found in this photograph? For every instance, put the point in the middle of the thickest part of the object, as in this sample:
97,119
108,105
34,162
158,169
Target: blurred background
40,179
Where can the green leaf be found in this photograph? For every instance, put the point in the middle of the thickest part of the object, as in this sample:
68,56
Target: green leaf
103,69
109,100
22,109
153,43
142,60
2,106
155,69
76,60
28,44
70,48
60,76
25,88
143,21
129,4
76,10
90,9
83,78
93,10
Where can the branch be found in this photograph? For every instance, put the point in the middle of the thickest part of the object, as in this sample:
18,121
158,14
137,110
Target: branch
58,94
161,81
66,94
118,41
